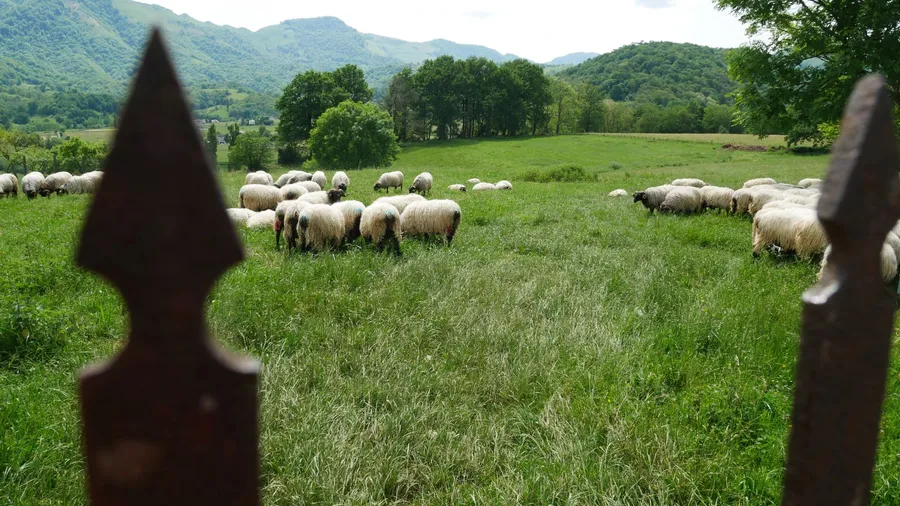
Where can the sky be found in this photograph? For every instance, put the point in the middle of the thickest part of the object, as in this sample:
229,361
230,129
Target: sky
552,28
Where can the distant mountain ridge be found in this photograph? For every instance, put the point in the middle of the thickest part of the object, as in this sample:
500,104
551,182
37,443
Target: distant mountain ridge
572,59
94,45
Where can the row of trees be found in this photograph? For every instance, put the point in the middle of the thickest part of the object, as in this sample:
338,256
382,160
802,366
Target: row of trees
23,152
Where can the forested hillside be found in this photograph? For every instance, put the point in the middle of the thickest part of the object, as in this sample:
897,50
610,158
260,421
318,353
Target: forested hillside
658,72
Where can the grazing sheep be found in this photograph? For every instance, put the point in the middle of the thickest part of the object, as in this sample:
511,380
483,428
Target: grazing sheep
54,183
809,234
617,193
888,263
422,183
352,211
802,192
652,197
389,180
332,196
321,227
83,184
742,197
504,185
893,240
239,216
284,209
693,182
792,229
682,199
319,178
259,177
293,191
759,198
716,197
483,187
9,185
457,187
292,177
259,197
262,219
380,224
340,180
400,201
31,184
759,181
809,182
431,217
783,204
311,186
474,180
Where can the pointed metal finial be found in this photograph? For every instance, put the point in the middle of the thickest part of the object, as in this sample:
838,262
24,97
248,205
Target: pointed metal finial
848,316
172,420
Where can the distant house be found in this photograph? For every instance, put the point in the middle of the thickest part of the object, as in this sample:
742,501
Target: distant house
221,140
251,122
215,121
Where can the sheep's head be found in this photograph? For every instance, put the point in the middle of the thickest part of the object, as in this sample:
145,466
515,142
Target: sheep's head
412,189
376,187
462,189
335,195
640,196
343,187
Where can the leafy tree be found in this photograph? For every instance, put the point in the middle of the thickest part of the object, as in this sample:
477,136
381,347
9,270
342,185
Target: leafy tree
304,100
79,156
592,108
534,91
802,76
401,101
717,119
251,150
562,110
354,135
436,82
234,132
352,81
212,139
619,117
12,145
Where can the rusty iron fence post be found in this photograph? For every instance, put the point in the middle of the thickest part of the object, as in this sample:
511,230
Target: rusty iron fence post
172,420
848,317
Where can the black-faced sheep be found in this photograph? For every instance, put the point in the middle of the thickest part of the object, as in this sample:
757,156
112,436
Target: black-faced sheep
504,185
457,187
422,183
332,196
340,180
380,224
682,199
652,197
259,197
321,228
31,184
389,180
54,183
431,217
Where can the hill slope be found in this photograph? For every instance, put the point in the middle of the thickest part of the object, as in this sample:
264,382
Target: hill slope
658,72
94,45
572,58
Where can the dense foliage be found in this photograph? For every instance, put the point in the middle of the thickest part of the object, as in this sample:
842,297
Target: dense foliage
354,135
799,80
23,152
42,109
252,151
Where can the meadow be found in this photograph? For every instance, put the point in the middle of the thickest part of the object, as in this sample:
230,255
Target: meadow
569,348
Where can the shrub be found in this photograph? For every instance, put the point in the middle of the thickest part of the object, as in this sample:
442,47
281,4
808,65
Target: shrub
564,174
28,333
615,165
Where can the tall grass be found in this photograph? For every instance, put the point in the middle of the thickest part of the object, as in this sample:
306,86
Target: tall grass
568,348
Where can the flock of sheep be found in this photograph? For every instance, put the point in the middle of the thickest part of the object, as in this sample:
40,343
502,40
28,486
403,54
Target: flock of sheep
34,184
784,215
297,206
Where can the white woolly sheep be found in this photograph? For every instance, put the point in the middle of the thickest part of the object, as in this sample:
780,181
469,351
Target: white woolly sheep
783,204
319,178
431,217
239,216
83,184
740,202
292,177
31,184
321,227
809,182
293,191
54,183
457,187
286,208
259,197
617,193
311,186
682,199
795,229
474,180
352,211
652,197
262,219
802,192
888,262
422,183
9,185
759,198
893,240
483,187
332,196
389,180
401,201
716,197
759,181
504,185
259,177
284,179
693,182
809,234
340,180
380,224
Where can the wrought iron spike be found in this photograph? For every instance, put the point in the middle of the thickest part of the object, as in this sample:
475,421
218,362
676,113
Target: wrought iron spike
172,420
848,316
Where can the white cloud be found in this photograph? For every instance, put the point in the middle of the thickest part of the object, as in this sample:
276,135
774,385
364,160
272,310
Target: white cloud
540,34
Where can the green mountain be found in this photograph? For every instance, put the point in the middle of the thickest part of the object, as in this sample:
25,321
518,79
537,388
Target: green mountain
93,45
659,72
572,59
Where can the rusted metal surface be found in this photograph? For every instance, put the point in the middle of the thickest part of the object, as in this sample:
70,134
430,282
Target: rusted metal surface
172,420
848,316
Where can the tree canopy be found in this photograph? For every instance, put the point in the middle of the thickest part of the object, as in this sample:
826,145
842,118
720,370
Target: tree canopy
251,150
354,135
799,80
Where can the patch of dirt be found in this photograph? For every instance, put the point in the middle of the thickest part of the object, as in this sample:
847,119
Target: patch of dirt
741,147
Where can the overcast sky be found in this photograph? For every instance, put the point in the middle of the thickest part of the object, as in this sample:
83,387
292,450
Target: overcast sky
556,28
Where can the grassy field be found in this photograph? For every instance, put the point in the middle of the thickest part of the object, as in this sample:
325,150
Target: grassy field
739,139
568,348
